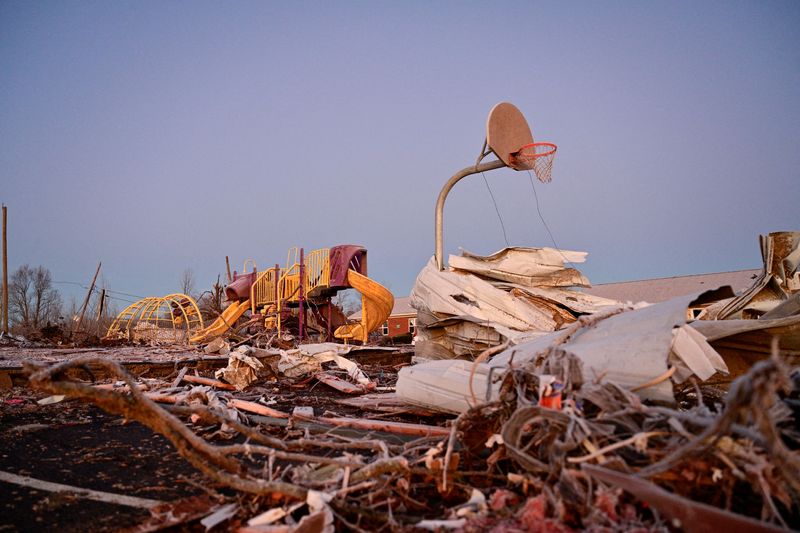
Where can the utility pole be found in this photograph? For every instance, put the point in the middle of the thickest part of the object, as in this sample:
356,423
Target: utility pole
5,271
101,307
88,295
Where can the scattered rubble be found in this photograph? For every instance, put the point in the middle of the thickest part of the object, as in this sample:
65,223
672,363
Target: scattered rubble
510,463
242,369
532,407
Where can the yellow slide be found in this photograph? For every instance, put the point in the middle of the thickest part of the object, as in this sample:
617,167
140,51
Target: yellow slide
376,306
223,323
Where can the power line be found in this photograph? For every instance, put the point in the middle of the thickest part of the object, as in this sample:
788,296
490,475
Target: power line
126,294
71,283
119,299
541,217
97,290
497,210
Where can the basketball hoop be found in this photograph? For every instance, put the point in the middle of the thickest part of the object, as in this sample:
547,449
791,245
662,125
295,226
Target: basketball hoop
537,157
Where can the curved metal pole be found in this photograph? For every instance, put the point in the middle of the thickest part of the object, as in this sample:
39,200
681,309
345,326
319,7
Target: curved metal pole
474,169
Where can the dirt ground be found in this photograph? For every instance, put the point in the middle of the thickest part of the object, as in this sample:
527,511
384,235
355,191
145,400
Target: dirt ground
77,444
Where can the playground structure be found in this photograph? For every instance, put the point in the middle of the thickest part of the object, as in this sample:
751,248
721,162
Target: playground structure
277,297
170,318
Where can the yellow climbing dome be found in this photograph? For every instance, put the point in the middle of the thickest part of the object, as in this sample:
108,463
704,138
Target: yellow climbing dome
376,306
162,319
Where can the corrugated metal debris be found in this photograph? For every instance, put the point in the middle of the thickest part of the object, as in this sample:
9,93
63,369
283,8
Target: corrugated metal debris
645,348
514,294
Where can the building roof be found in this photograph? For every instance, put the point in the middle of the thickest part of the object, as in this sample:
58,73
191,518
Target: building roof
402,307
661,289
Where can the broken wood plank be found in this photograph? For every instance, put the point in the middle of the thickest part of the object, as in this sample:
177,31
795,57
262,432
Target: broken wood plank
385,403
158,397
180,377
220,515
208,381
401,428
339,384
256,408
96,495
162,398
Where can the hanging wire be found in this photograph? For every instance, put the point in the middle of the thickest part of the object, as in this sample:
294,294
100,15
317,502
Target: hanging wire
96,290
541,217
125,294
497,210
71,283
120,299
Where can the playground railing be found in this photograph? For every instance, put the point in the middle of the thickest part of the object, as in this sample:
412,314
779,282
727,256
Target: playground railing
287,281
246,262
318,269
289,284
292,257
262,292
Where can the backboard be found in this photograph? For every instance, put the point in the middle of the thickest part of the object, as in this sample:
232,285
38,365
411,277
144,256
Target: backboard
507,131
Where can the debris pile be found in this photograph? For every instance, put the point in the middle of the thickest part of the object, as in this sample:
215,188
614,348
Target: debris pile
648,349
242,369
153,334
741,456
645,350
554,451
483,301
776,292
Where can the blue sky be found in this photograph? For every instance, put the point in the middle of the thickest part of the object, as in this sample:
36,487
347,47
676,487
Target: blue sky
160,136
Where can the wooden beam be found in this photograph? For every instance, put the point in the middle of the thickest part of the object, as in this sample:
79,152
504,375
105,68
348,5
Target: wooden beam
96,495
208,381
339,384
400,428
257,408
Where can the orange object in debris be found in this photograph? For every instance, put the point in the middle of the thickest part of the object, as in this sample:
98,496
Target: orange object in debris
550,392
551,402
208,381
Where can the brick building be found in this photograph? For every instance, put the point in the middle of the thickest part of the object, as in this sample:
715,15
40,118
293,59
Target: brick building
401,321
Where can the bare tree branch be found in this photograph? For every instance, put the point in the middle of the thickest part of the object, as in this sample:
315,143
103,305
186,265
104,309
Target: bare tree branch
33,302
